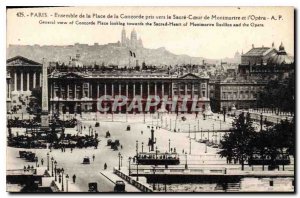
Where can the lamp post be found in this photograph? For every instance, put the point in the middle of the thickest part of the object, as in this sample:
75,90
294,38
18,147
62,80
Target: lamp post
67,181
121,160
62,179
137,147
205,147
119,155
55,169
52,160
169,145
36,161
142,147
129,159
190,146
137,170
156,152
154,179
48,162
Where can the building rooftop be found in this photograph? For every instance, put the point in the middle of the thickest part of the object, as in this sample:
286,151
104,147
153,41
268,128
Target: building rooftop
259,51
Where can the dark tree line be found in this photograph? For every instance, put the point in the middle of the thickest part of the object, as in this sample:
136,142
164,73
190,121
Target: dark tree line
272,143
278,95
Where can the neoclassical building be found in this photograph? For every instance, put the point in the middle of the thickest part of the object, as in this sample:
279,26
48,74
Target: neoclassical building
77,92
75,89
23,75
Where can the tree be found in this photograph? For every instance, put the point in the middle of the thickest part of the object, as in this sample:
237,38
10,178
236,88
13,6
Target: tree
238,143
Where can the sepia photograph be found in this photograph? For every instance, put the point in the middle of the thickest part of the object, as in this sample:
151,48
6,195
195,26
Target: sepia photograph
150,99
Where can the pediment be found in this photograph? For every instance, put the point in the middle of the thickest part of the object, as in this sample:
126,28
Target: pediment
189,76
21,61
72,75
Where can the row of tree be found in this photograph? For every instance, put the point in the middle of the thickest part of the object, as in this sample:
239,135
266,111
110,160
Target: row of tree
242,142
278,95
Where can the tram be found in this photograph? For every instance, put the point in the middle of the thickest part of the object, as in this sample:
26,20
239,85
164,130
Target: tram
256,159
157,158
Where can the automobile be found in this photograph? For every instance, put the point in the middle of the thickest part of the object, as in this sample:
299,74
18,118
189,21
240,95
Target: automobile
86,160
119,186
93,187
97,124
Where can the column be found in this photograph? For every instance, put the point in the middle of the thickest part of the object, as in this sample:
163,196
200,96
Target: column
148,89
22,81
51,91
82,90
133,89
155,89
105,89
98,90
127,90
15,84
119,89
162,89
27,81
112,90
185,89
68,92
192,90
91,91
41,78
172,89
141,90
34,79
75,93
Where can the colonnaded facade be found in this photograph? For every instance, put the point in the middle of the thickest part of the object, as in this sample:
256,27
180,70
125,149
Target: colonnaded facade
77,92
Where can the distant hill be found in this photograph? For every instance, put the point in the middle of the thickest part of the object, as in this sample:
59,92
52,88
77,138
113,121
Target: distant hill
103,54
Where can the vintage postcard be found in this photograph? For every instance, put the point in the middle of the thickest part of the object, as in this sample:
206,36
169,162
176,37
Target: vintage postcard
150,99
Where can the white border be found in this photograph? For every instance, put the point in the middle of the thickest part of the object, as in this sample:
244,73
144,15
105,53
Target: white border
3,5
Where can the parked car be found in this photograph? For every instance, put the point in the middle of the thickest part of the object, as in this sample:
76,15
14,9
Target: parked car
119,187
93,187
86,160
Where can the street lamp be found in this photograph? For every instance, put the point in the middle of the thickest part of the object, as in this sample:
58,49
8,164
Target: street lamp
156,152
169,145
137,147
121,160
62,179
142,147
52,159
190,146
55,169
67,179
119,155
205,147
186,166
129,159
47,161
137,169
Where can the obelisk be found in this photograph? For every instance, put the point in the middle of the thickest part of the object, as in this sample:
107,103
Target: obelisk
44,115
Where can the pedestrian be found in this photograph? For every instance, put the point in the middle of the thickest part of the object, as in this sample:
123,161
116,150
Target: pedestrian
71,150
121,146
174,150
171,149
142,132
105,166
42,161
93,157
74,178
182,150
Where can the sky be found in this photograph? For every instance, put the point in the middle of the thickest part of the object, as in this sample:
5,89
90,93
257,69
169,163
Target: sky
208,42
